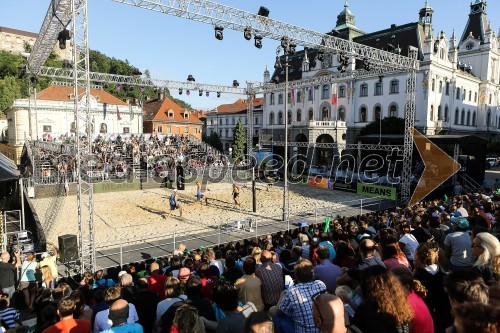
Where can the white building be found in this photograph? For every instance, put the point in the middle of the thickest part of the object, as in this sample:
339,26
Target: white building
457,84
54,116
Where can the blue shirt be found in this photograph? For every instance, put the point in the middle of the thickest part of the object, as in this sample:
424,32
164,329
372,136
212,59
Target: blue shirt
330,247
127,328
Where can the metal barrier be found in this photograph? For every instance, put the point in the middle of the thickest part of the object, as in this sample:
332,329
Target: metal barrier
167,243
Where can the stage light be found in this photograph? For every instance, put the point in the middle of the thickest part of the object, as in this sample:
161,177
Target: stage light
190,78
263,11
366,64
200,92
236,83
218,33
63,36
284,43
258,41
276,79
277,64
218,94
207,94
292,48
247,33
180,91
188,92
321,55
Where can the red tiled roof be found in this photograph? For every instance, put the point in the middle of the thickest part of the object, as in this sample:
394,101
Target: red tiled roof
55,93
239,106
18,32
157,110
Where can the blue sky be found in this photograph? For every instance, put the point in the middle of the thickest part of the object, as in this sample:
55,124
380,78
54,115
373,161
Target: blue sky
172,48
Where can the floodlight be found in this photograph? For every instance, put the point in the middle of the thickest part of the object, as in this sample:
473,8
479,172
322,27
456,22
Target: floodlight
191,78
63,36
236,83
200,92
258,41
180,91
218,94
218,33
247,33
263,11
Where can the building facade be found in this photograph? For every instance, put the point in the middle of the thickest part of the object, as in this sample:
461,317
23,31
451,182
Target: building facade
457,84
53,116
223,119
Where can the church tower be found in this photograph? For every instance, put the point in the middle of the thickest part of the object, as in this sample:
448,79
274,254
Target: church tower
346,25
425,18
477,23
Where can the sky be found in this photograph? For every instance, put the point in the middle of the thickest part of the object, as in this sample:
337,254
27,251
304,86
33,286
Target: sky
172,48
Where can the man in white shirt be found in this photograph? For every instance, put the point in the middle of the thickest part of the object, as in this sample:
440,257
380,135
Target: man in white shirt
102,321
408,243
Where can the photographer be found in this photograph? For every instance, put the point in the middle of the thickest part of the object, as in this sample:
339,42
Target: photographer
8,274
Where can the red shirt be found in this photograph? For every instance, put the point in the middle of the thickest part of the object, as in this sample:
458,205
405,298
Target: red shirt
422,321
207,286
69,326
156,283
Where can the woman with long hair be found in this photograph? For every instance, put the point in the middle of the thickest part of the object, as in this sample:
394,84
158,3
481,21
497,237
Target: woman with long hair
391,253
47,278
486,248
428,272
28,281
88,279
384,307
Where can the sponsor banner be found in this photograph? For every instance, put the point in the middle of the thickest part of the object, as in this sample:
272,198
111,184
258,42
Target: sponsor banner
377,191
346,187
108,186
320,182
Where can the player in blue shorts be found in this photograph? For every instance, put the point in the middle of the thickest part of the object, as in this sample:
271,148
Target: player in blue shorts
199,194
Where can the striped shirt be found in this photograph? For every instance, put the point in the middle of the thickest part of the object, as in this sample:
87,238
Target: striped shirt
9,316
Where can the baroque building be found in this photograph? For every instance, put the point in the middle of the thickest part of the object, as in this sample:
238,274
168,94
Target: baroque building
457,84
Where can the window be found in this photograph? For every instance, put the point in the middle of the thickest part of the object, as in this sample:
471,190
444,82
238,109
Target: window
473,118
488,118
159,129
362,114
220,121
489,100
475,96
195,130
341,91
227,133
211,121
364,90
311,93
325,114
271,99
169,129
456,116
377,113
341,114
280,99
441,53
126,130
378,88
311,114
431,113
256,121
186,115
186,130
280,118
446,113
103,128
458,93
469,46
220,133
393,110
394,87
256,132
47,128
470,95
464,94
299,115
299,96
433,84
440,114
234,121
271,118
468,118
325,91
227,121
462,118
447,89
289,118
440,86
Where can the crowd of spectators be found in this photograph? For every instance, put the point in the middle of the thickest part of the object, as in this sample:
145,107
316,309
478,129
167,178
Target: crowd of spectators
434,267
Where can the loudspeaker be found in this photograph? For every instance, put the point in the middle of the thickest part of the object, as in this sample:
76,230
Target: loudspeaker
180,178
68,248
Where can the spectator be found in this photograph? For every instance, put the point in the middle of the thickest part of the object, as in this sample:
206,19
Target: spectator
422,320
101,281
477,318
8,273
272,279
304,244
45,301
88,279
420,233
50,260
67,324
100,303
297,300
345,255
28,281
102,321
173,293
384,307
328,314
232,272
258,322
249,286
226,298
466,286
214,262
48,317
47,278
146,302
209,276
187,320
8,315
118,314
326,271
486,248
458,246
368,258
129,291
156,280
408,243
324,240
82,311
392,255
351,301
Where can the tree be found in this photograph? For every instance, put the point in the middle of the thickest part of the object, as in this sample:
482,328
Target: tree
214,141
390,125
9,91
239,141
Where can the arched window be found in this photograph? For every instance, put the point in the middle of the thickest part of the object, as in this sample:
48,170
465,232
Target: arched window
431,113
394,86
462,118
280,118
488,118
325,91
325,114
341,114
289,117
433,84
362,114
468,117
271,118
440,114
473,118
490,100
311,114
457,115
440,86
446,113
377,112
103,128
280,99
393,110
299,115
458,93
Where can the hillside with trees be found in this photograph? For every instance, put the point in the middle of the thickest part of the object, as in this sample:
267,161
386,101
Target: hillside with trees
14,83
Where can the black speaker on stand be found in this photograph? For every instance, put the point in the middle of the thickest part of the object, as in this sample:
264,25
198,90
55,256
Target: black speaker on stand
180,178
68,248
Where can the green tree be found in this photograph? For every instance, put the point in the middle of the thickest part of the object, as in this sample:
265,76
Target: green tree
10,64
9,91
390,125
214,141
239,141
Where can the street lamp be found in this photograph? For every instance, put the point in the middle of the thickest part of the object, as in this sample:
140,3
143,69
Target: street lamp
230,154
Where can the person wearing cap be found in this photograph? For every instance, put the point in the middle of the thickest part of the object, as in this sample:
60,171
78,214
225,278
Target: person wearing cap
184,274
458,246
174,203
118,314
48,260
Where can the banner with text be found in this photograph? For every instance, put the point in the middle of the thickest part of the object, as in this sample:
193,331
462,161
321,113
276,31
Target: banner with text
104,187
377,191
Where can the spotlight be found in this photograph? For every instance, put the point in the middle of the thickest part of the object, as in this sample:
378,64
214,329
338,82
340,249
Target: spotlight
190,78
284,43
218,94
258,41
321,55
263,11
236,83
180,91
277,64
188,92
366,65
292,48
207,94
200,93
218,33
276,79
247,33
63,37
34,80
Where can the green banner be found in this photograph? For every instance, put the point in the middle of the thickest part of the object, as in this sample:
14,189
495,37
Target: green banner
108,186
377,191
